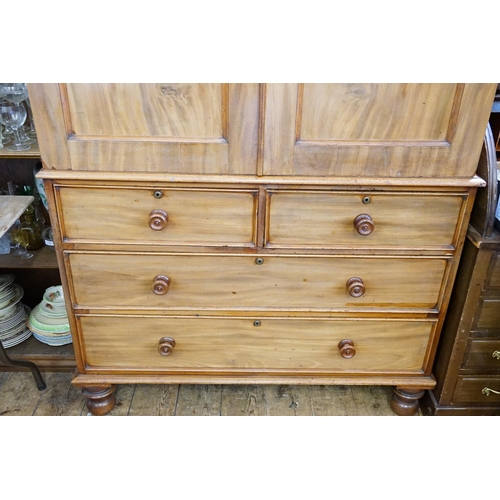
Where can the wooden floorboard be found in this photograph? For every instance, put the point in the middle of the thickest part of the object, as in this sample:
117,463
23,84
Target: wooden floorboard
19,396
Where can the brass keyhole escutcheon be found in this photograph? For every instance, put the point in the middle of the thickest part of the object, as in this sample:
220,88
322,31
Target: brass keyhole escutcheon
366,200
158,194
257,322
259,261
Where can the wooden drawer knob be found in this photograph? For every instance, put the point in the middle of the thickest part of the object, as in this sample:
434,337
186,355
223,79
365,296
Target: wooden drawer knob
355,287
364,224
166,346
161,285
158,220
346,348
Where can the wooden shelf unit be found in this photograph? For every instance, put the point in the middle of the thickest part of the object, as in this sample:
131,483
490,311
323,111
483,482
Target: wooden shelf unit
34,275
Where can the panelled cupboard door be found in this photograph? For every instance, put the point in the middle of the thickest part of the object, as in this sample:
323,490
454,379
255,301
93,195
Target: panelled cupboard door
184,128
374,129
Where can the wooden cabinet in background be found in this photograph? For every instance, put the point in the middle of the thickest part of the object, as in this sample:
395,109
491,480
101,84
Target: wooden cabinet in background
467,365
259,233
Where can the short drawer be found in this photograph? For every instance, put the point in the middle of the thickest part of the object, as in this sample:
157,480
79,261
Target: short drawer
483,354
197,281
493,278
391,220
158,216
477,390
488,315
214,344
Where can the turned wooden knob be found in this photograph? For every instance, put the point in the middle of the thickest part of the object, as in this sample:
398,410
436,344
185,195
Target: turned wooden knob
355,287
166,346
364,224
346,348
158,220
161,284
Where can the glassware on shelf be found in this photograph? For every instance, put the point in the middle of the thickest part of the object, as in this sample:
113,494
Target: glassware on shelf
14,115
3,140
16,237
32,129
17,93
31,238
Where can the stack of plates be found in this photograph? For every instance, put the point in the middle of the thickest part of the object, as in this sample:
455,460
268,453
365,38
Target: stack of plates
13,312
49,321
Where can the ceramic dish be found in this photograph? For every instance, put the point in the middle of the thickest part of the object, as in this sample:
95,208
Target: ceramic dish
17,340
54,295
61,341
7,309
6,280
46,324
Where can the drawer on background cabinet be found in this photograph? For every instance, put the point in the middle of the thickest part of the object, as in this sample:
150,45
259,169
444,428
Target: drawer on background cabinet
230,281
187,343
493,279
488,315
157,216
477,390
363,219
483,354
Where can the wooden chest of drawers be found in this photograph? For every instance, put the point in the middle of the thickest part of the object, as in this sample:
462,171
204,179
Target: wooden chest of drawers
253,252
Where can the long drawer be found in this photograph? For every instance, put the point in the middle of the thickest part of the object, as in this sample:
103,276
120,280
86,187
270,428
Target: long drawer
197,281
134,343
391,220
158,216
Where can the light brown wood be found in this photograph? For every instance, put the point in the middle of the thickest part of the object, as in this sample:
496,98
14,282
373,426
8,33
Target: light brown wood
326,219
166,127
11,208
237,282
391,130
195,217
236,345
177,180
258,243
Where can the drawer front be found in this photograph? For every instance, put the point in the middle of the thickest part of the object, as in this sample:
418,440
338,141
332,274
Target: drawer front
328,219
198,281
470,390
488,315
236,343
493,280
193,217
483,354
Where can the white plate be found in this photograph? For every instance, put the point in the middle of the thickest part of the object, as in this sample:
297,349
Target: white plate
59,342
6,280
49,324
14,318
6,310
17,340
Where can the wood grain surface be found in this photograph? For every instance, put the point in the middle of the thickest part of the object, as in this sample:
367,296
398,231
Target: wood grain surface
232,344
229,282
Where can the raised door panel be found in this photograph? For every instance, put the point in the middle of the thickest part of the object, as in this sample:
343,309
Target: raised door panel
185,128
375,130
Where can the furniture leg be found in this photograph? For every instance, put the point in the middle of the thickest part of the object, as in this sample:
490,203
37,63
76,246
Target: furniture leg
100,399
405,400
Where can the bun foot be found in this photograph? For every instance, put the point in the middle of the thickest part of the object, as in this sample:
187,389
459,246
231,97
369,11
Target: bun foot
100,399
405,401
